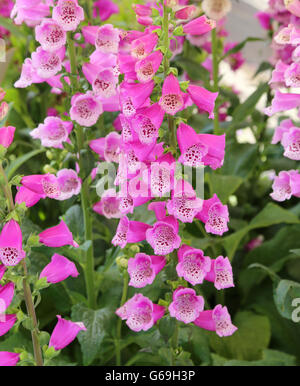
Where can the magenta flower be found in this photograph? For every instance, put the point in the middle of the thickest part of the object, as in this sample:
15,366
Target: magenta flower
286,185
220,273
28,75
289,136
147,67
68,14
9,358
104,9
264,19
107,39
184,204
7,136
293,6
11,251
147,122
192,265
134,95
162,175
199,26
28,196
53,132
105,83
282,102
143,269
292,75
6,323
57,236
59,269
2,270
217,320
107,147
29,11
6,296
186,305
64,333
45,185
129,232
69,184
186,12
171,100
109,205
214,215
143,46
278,78
47,64
85,109
204,99
200,149
50,35
140,313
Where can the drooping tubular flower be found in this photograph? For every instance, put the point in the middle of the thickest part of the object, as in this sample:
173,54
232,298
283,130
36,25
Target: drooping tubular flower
216,9
186,305
46,185
140,313
69,184
184,204
286,185
27,196
29,11
199,26
85,109
107,39
9,358
171,100
47,64
105,83
147,67
11,251
293,6
68,14
203,99
129,232
143,46
64,333
217,320
200,149
109,205
220,273
143,269
186,13
50,35
6,296
7,136
292,75
214,215
53,132
289,136
28,75
57,236
104,9
107,147
192,265
134,95
162,173
6,323
59,269
283,102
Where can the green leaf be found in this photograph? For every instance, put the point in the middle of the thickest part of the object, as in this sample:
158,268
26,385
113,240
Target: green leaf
194,69
17,163
9,25
240,46
74,219
96,323
223,186
284,294
240,159
248,342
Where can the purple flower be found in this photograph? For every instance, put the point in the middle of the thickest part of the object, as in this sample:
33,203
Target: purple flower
186,305
59,269
143,269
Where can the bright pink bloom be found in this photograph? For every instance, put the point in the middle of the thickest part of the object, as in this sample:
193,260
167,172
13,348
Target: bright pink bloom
9,358
46,185
57,236
143,269
200,149
293,6
140,313
69,184
162,173
59,269
104,9
220,273
107,39
254,243
2,270
47,64
278,79
286,185
192,265
203,99
29,11
186,305
28,75
284,35
235,60
171,100
143,46
64,333
186,12
147,67
11,251
134,96
217,320
7,323
129,232
199,26
214,215
68,14
184,204
6,296
147,122
109,205
50,35
53,132
7,136
264,19
283,102
284,127
105,84
292,75
28,196
289,136
107,147
85,109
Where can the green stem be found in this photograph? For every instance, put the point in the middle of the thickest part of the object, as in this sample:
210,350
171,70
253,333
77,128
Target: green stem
119,325
26,287
174,342
215,59
85,202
